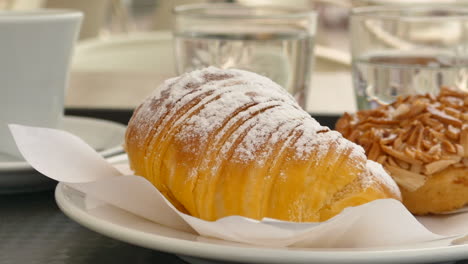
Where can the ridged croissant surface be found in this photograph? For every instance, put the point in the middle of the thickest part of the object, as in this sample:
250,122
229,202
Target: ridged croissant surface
229,142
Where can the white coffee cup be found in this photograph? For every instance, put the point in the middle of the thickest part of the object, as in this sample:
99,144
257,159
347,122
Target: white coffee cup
35,52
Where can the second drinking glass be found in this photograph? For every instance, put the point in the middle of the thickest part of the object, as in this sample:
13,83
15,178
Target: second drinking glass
276,42
407,50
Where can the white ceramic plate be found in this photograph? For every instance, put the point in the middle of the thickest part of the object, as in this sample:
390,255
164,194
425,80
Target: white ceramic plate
104,136
121,225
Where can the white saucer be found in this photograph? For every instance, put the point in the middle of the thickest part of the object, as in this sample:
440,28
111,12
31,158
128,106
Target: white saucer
121,225
105,136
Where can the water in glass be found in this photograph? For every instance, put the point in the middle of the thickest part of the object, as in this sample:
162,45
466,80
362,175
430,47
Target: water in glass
283,56
380,78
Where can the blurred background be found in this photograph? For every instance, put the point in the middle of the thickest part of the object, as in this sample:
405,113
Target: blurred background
125,49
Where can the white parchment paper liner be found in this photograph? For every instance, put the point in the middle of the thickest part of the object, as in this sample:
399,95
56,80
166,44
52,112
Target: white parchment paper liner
66,158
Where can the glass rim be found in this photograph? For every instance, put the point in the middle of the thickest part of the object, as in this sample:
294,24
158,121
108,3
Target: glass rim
193,10
381,12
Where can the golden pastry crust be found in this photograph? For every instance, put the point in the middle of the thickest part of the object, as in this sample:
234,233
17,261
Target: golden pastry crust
422,141
444,191
230,142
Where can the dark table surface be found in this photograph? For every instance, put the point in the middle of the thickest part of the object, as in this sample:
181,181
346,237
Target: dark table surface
34,231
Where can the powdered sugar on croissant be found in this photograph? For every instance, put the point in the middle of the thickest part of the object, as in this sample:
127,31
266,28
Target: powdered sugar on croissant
231,142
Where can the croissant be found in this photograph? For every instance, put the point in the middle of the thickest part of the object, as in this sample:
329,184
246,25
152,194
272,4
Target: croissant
230,142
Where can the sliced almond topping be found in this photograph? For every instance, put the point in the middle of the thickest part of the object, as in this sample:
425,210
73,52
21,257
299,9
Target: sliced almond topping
406,179
391,161
419,138
460,150
437,134
425,158
354,135
413,138
435,150
397,143
452,132
455,158
400,155
444,117
448,146
388,140
464,140
366,146
417,108
406,133
428,121
366,141
382,121
464,116
430,97
416,168
400,110
451,101
419,134
374,152
402,164
381,159
403,147
344,124
411,152
405,123
453,112
447,91
427,144
437,166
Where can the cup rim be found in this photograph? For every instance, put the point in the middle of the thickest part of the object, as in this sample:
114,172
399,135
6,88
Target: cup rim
41,14
380,12
190,10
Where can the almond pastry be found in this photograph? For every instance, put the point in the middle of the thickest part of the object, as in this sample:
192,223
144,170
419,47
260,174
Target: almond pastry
422,141
229,142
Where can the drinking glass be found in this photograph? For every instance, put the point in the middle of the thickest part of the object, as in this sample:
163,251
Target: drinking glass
276,42
407,50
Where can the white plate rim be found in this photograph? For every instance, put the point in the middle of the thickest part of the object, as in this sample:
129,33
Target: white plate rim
253,254
139,37
17,166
